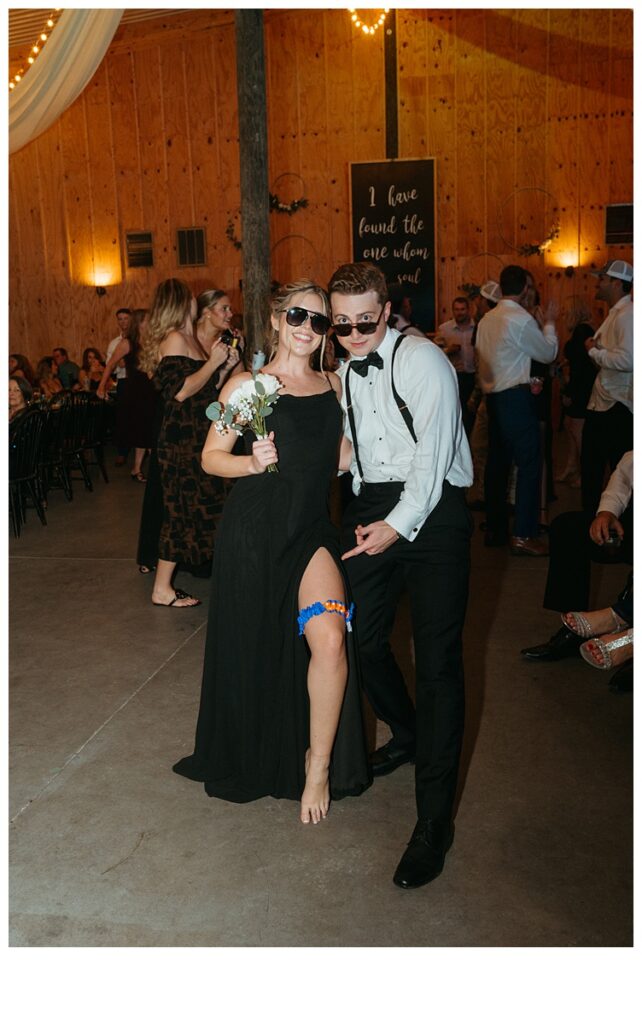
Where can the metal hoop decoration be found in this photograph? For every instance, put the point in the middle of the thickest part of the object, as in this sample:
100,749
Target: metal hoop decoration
471,288
296,204
536,248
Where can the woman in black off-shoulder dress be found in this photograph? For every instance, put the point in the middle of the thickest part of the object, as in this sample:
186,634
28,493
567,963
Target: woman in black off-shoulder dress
186,377
280,702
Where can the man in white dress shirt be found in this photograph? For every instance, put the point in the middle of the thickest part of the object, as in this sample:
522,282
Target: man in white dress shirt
408,525
507,339
608,427
455,337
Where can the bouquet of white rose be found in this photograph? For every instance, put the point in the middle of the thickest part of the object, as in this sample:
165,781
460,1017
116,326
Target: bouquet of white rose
247,408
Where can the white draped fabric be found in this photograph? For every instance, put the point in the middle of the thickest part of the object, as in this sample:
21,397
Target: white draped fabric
68,60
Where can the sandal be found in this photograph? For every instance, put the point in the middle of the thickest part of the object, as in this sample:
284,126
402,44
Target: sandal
179,595
139,476
584,628
146,569
619,641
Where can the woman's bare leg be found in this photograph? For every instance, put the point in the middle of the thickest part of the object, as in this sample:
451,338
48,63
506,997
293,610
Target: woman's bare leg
327,676
163,592
139,455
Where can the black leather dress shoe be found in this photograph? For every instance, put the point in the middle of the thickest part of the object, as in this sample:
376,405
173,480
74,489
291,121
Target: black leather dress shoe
563,644
387,758
425,854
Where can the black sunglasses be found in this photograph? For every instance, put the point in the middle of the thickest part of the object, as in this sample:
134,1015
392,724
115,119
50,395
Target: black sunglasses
297,315
363,326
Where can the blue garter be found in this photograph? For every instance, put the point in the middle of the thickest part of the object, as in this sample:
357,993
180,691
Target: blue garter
319,607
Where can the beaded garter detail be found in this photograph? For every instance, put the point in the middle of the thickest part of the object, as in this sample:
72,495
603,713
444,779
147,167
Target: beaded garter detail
319,607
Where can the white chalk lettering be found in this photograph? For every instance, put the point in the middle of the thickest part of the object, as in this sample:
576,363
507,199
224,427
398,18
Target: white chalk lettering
395,198
383,227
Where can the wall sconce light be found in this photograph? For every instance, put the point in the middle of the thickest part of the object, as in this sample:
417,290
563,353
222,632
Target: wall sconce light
100,291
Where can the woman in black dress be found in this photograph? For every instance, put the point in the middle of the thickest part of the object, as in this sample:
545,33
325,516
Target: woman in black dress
186,377
280,713
137,401
579,374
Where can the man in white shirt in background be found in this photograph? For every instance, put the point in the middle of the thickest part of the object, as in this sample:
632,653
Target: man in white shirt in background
408,525
608,427
124,318
455,338
507,339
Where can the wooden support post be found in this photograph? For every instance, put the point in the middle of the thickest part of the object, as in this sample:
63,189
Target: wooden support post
255,213
390,61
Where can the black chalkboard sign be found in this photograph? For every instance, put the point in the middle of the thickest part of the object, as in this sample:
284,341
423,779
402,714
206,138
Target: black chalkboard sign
393,225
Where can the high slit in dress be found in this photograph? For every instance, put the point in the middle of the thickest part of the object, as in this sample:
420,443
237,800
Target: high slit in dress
253,723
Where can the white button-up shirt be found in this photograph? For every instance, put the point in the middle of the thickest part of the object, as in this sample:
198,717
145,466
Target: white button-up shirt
617,493
427,383
120,371
507,339
613,353
459,334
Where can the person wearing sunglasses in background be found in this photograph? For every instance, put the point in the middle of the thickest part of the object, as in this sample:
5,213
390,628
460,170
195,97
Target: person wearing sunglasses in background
280,710
408,525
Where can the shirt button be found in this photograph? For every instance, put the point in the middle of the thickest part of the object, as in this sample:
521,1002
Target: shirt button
381,439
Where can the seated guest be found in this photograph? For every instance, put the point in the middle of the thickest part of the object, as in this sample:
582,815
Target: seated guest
47,379
575,542
67,371
19,366
92,369
20,394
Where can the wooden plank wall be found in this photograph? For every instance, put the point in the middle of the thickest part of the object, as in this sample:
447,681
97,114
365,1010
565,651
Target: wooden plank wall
527,113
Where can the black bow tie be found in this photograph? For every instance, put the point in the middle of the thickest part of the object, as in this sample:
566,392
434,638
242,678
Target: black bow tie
360,366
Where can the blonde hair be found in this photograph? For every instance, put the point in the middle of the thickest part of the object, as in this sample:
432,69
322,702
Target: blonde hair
280,303
169,309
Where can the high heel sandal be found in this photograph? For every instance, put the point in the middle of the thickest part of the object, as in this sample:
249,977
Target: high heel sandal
623,640
584,628
139,477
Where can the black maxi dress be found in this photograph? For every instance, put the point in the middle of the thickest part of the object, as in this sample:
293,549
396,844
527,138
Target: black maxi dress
253,724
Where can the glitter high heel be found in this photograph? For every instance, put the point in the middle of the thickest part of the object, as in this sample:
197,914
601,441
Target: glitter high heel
606,648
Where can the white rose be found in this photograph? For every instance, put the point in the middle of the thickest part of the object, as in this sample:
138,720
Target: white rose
269,382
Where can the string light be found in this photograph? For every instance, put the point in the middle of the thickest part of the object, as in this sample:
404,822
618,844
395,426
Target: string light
37,47
368,30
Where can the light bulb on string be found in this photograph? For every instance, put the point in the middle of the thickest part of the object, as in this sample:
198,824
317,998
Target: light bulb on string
36,48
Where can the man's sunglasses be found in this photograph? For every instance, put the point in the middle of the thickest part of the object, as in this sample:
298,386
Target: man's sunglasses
363,326
296,316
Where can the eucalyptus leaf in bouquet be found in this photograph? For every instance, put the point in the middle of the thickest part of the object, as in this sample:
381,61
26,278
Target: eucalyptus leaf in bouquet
247,408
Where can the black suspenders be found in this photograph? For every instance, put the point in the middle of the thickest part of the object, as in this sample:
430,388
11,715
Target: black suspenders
403,408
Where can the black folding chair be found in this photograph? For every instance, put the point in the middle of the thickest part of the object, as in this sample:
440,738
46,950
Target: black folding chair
52,466
25,437
84,433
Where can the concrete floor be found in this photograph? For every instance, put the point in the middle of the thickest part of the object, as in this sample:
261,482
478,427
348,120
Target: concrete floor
110,848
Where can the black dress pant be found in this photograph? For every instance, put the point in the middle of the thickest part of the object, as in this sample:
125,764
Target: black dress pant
571,553
435,569
605,439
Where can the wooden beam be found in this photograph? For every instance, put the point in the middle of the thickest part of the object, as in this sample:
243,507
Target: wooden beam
390,63
253,156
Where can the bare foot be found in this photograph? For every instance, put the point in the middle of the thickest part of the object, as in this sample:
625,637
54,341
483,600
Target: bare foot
601,621
618,654
315,801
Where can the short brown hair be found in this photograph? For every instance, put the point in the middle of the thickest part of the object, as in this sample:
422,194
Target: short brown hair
357,278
